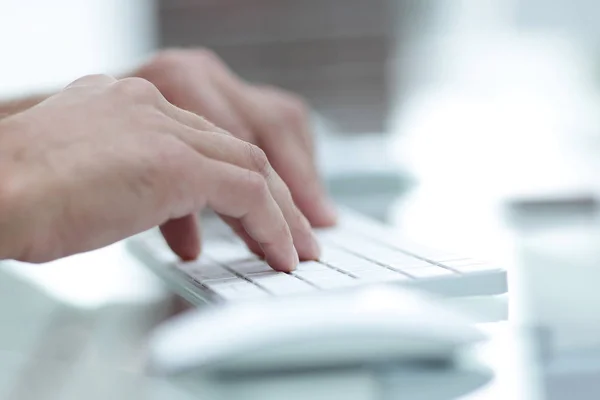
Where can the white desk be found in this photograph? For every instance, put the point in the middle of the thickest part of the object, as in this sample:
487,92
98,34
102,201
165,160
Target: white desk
113,304
102,341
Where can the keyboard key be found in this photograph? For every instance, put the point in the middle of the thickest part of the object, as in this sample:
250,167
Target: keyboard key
378,253
327,279
215,227
327,235
225,253
153,238
235,289
204,269
405,262
280,283
337,236
344,260
380,275
390,257
159,249
250,267
215,284
362,269
339,282
430,272
164,255
311,266
431,254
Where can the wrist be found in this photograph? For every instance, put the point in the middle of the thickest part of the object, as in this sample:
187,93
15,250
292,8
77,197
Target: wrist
11,217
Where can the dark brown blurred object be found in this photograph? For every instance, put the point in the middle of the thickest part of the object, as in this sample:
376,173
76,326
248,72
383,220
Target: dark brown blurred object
333,52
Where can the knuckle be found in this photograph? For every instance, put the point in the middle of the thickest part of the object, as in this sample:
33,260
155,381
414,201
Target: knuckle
137,88
97,78
168,59
207,56
259,162
178,58
256,186
289,107
94,80
295,109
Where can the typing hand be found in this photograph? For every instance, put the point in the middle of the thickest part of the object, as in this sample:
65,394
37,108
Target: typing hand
105,159
276,121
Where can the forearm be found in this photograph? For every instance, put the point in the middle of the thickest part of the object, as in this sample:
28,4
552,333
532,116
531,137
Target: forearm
15,106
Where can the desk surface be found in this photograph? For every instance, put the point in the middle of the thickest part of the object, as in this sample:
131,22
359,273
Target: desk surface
76,328
53,349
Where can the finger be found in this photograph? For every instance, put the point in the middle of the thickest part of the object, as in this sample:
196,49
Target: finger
244,195
295,112
297,168
235,151
92,80
189,118
183,237
235,91
288,148
238,228
210,103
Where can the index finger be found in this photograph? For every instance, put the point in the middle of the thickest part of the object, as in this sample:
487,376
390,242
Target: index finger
288,144
244,195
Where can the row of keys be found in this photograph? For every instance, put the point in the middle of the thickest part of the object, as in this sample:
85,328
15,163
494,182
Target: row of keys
379,253
364,229
232,271
429,263
234,289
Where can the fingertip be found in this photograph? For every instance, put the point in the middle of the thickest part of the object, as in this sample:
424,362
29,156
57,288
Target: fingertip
282,261
295,261
322,213
183,238
316,250
186,250
328,212
306,243
188,253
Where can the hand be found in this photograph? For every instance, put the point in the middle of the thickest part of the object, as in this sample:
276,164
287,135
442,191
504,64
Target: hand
276,121
105,159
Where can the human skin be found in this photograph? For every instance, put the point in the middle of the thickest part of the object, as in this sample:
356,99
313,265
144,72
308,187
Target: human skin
107,158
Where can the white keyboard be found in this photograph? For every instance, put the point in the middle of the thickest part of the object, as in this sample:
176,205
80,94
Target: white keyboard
356,252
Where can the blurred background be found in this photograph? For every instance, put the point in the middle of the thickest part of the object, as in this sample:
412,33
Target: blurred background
454,105
446,108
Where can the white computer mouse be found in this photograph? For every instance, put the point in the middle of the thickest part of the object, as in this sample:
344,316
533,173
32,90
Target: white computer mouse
357,327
